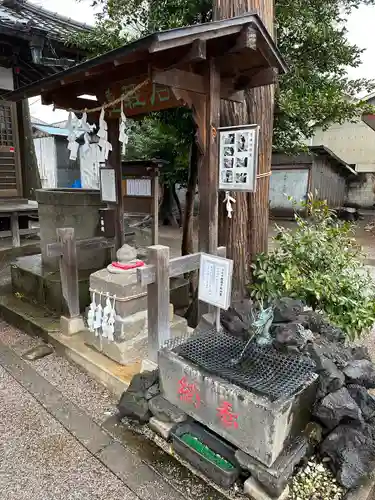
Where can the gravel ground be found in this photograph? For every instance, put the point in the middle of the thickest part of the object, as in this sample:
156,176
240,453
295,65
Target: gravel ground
74,384
40,460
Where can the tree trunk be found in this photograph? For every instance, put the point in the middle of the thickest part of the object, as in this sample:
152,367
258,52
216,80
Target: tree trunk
247,233
178,204
166,209
29,165
188,227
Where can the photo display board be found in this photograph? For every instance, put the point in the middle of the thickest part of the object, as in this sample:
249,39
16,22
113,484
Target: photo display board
238,158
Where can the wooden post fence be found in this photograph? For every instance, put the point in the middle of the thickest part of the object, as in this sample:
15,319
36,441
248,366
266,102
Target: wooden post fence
66,249
156,276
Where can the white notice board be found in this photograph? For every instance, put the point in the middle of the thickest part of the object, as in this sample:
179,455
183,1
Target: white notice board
138,187
108,185
215,280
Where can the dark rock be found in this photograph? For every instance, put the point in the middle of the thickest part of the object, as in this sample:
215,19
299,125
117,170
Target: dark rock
134,401
141,382
360,352
364,400
331,379
332,333
334,351
237,320
133,406
352,453
153,391
38,352
360,372
275,478
166,412
311,320
336,407
314,433
286,309
288,335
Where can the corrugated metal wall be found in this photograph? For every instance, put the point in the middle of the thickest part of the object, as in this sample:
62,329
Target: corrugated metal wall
284,183
328,182
45,150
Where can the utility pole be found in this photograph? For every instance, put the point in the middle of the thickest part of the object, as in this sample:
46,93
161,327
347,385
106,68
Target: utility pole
247,233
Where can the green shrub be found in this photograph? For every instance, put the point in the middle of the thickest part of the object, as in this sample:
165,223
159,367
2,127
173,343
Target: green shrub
320,263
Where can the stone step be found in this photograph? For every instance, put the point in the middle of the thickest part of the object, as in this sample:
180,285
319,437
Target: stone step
135,348
31,281
36,321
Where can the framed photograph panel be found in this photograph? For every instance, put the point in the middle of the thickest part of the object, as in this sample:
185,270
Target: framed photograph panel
238,158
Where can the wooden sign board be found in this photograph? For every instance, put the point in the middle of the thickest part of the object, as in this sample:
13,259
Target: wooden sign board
238,158
137,195
151,97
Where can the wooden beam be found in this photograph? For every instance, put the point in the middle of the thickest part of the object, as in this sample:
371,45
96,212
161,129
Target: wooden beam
182,80
208,176
246,40
192,82
155,209
158,302
15,228
265,76
115,162
177,267
93,244
197,52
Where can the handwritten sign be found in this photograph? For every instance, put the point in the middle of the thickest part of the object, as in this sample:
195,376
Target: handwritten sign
189,393
151,97
215,280
227,417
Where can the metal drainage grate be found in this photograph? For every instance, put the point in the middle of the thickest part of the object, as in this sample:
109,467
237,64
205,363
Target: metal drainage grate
263,369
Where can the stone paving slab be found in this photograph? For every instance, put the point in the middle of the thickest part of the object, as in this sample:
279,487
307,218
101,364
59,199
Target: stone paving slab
72,418
41,460
140,478
51,410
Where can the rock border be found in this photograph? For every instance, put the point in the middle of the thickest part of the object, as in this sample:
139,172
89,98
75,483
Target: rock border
364,492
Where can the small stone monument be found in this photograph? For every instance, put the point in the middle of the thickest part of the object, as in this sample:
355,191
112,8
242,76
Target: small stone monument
125,255
117,290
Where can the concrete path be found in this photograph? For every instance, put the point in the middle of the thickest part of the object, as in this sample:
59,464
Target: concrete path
59,439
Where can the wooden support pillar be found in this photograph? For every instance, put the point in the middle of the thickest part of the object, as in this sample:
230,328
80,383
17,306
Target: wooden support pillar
69,270
158,301
15,228
114,161
208,175
155,208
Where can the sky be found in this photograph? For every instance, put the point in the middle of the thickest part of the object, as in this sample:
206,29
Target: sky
360,26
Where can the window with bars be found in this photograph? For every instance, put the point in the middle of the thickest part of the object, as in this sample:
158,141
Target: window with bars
6,125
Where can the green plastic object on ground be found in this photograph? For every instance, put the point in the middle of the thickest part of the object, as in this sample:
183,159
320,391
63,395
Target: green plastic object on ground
206,452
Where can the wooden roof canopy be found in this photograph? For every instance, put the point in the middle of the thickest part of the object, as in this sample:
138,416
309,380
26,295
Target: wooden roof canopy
174,61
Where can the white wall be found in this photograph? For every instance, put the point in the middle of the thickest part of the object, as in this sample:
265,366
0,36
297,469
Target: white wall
6,78
352,142
90,167
45,150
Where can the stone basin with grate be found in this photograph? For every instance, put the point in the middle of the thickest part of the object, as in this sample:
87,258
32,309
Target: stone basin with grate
260,405
262,369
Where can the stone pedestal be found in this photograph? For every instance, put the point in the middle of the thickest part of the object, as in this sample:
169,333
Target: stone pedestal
130,334
256,425
77,208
